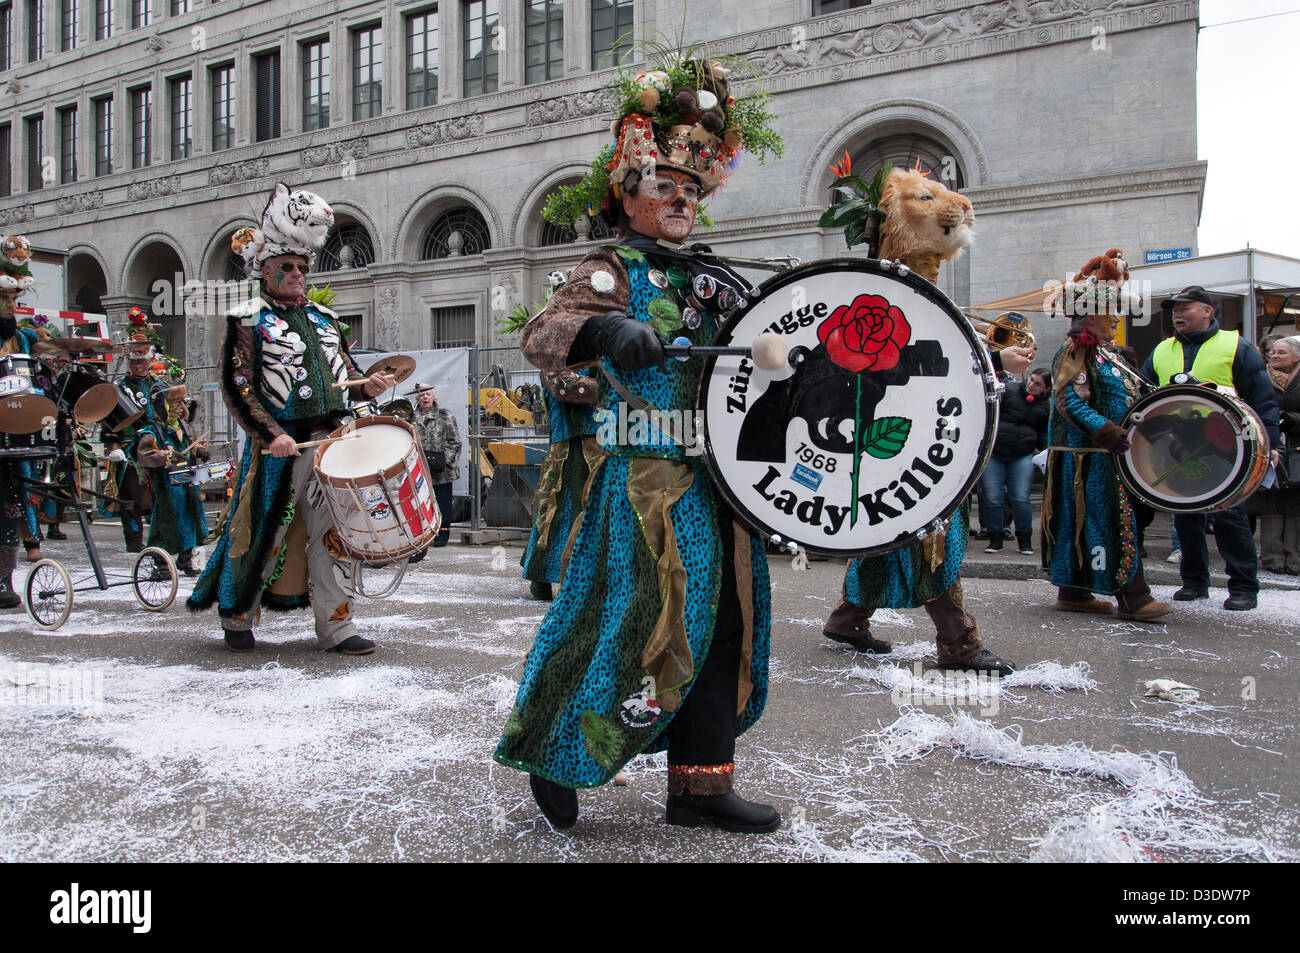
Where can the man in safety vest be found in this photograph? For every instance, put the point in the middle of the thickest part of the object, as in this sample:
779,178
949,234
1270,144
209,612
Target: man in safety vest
1210,354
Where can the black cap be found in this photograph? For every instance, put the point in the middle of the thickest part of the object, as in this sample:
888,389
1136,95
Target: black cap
1190,293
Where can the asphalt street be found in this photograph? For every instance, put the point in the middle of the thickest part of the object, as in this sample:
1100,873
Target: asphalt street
135,736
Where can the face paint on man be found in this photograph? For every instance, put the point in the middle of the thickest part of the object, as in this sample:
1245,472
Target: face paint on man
285,277
664,206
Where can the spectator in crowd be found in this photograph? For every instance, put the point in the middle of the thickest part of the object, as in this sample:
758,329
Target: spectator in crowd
440,438
1279,524
1022,432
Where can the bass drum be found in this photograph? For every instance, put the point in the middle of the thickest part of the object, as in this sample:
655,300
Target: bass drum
1194,449
876,428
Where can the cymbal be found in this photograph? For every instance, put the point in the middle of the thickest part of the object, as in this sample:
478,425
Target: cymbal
399,366
57,347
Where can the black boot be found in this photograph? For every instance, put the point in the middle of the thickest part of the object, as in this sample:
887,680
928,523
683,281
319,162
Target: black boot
240,640
133,546
8,598
981,661
851,625
354,645
731,812
55,533
185,563
558,803
541,590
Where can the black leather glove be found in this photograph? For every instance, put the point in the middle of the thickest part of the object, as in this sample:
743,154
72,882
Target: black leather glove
627,342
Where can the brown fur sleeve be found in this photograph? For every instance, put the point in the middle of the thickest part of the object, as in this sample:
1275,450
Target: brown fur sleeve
549,336
1107,435
239,357
148,453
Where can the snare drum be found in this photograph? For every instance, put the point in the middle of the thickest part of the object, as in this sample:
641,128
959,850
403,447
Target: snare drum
376,485
874,431
1194,449
85,395
24,406
27,446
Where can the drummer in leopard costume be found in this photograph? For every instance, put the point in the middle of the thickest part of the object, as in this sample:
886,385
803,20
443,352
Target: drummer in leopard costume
17,516
1090,542
925,223
178,523
281,357
659,637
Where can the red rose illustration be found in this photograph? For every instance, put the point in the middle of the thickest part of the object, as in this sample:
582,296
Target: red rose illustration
866,335
1220,433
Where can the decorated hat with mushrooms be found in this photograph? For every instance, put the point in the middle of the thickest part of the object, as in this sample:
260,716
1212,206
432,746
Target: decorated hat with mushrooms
678,114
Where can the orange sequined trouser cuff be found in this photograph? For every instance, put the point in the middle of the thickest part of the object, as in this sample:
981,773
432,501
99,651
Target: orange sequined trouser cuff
704,779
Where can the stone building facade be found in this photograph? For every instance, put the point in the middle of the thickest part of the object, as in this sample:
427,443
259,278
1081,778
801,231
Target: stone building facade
1071,124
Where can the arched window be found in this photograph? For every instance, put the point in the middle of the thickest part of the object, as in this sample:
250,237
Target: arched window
592,228
348,246
905,150
460,231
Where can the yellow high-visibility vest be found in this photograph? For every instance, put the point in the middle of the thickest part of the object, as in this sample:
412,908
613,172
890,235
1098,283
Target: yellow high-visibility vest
1212,365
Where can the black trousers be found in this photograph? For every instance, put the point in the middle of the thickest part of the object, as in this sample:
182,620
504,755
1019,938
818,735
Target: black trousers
1236,546
703,732
442,495
131,490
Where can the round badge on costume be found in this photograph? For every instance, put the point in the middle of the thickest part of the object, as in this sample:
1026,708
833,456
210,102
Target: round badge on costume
602,281
298,346
300,373
705,286
304,391
657,278
691,318
677,276
286,358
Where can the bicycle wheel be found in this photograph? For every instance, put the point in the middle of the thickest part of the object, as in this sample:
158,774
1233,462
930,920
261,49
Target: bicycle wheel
49,594
153,579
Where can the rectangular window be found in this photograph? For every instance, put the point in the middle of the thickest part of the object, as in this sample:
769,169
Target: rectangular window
68,145
103,135
611,32
223,106
315,85
6,170
6,36
453,327
836,6
182,100
267,70
543,40
141,13
422,59
482,38
35,30
367,72
104,18
35,152
68,13
141,127
179,7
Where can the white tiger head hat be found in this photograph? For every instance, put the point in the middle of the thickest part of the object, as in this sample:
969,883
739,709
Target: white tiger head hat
293,223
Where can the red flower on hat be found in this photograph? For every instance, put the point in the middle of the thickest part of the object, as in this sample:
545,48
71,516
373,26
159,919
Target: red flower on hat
867,335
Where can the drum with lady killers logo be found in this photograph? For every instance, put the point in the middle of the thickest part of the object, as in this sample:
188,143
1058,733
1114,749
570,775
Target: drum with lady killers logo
1193,449
876,427
376,484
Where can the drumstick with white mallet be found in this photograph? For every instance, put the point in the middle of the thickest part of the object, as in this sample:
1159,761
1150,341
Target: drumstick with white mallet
317,443
769,350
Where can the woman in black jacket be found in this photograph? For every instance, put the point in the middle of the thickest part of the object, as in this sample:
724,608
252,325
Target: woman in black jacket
1022,432
1279,524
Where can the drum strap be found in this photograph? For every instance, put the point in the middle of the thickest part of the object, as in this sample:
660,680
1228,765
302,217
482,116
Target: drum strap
633,401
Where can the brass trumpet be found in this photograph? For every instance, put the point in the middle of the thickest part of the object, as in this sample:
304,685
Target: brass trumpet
1008,329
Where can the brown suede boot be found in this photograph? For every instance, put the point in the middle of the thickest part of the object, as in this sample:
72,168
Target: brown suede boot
957,636
851,625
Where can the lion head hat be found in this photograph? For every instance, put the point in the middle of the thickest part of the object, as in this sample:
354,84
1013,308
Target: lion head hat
293,223
15,270
1099,287
679,114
